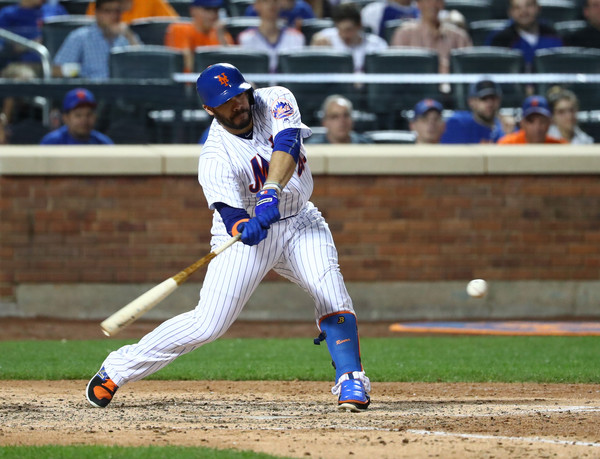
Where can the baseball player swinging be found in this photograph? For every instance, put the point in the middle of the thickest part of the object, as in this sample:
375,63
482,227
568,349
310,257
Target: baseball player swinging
254,174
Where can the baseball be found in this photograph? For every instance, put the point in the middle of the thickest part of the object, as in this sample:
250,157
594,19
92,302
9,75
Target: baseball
477,288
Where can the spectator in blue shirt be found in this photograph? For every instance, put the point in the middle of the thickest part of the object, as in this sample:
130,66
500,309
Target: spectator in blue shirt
293,11
89,47
481,124
525,31
79,118
25,19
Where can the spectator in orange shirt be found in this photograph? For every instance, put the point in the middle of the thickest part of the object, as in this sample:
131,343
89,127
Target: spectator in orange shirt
139,9
535,122
204,30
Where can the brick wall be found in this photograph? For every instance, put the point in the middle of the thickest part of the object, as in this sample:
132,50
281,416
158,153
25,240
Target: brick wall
136,229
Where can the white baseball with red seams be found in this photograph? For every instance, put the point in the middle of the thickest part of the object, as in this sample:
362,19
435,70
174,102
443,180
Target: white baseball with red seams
477,288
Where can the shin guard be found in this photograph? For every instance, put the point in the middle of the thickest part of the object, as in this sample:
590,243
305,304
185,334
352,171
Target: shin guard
341,335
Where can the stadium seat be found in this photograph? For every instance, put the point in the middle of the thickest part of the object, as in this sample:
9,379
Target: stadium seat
571,60
481,30
472,10
238,7
391,136
312,26
589,122
145,61
236,25
488,59
565,28
73,6
55,29
499,9
246,60
554,11
152,30
316,60
388,100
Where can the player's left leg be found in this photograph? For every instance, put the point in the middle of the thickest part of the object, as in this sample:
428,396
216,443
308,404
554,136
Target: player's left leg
312,263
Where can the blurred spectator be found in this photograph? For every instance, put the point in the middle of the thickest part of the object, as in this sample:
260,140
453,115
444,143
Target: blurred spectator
293,11
268,36
589,37
88,47
535,122
430,32
139,9
348,35
375,15
427,122
337,120
25,18
79,118
525,31
13,108
205,30
481,124
564,105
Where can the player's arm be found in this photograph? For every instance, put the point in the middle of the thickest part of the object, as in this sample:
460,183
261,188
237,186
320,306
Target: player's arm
237,221
286,150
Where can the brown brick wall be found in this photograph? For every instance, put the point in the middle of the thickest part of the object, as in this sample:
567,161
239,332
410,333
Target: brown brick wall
387,228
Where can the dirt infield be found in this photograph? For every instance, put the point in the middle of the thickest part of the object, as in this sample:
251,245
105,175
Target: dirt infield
298,419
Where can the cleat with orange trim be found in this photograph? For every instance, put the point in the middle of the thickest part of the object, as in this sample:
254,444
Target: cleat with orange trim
101,389
353,396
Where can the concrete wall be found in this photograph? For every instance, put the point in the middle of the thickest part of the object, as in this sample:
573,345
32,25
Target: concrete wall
85,230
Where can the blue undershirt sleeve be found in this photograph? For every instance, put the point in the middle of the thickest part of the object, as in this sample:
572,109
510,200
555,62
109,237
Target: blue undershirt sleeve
288,141
232,216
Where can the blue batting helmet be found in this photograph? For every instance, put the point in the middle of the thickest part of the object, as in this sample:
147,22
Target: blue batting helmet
220,82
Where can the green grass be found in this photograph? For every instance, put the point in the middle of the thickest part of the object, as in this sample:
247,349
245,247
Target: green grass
430,359
115,452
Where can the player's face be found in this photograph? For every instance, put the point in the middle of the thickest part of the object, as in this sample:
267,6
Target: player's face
524,12
565,115
80,121
536,127
485,108
429,127
234,115
338,121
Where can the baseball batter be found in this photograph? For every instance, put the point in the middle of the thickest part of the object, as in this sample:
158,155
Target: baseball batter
254,174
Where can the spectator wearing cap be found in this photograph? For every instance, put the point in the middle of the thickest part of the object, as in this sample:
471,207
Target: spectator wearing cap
535,122
526,32
205,30
481,124
269,36
140,9
338,122
427,121
79,118
88,47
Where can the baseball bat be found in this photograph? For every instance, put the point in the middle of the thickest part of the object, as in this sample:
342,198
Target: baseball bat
143,303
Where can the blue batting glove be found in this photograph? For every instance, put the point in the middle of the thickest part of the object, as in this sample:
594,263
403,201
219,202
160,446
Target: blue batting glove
252,232
267,207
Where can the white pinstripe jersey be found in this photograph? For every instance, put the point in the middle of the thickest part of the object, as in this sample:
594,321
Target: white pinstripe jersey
232,170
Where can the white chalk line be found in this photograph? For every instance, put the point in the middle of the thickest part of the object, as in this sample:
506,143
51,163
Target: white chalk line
501,437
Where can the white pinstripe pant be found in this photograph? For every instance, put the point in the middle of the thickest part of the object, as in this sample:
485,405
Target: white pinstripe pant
299,248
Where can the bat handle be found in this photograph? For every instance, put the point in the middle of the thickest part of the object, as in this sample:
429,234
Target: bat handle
227,244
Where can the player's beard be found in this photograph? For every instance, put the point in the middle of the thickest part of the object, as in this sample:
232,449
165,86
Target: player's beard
237,122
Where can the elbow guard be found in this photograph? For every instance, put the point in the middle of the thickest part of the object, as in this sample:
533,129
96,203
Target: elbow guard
289,142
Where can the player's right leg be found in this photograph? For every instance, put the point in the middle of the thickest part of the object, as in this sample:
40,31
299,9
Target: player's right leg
229,282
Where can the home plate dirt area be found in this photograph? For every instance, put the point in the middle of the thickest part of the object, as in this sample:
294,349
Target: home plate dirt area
299,419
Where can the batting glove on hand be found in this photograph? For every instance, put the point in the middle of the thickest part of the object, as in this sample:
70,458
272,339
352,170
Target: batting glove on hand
252,231
267,207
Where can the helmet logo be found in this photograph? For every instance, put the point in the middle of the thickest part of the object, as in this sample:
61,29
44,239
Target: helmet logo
223,79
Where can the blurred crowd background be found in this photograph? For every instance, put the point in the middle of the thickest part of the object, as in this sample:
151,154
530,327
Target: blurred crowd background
80,72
